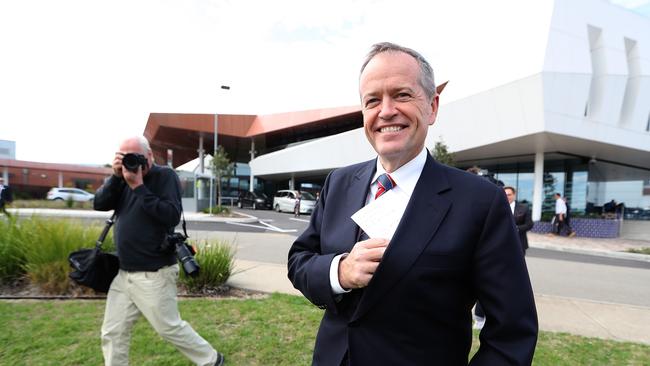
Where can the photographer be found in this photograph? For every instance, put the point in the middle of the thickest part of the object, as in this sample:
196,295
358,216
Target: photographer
147,200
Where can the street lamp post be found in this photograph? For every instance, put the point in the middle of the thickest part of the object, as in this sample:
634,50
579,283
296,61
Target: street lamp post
214,153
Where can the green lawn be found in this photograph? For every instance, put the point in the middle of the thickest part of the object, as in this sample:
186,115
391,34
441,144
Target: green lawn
278,330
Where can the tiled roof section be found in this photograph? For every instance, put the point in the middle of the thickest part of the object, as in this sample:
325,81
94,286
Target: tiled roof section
51,166
274,122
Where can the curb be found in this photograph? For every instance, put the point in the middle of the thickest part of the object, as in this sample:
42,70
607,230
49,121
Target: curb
102,215
595,252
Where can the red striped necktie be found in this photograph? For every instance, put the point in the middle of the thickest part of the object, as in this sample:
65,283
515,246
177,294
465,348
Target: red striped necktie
384,183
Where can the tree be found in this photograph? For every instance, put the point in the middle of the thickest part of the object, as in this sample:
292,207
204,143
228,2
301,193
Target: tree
441,153
221,166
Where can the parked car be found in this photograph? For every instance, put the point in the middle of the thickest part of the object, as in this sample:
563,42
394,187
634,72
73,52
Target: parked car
254,200
64,194
285,200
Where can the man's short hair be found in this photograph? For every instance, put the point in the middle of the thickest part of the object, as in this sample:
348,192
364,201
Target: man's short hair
510,188
426,79
144,144
558,194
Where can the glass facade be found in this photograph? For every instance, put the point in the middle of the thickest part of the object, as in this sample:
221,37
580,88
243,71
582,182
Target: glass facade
593,188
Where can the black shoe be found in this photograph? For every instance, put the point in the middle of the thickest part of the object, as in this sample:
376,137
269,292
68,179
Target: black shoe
220,360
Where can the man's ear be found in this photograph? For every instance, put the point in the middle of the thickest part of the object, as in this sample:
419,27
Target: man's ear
434,110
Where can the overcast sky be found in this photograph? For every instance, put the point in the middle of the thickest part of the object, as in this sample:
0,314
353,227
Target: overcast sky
78,76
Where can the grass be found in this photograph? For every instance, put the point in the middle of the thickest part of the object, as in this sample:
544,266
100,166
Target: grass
278,330
639,250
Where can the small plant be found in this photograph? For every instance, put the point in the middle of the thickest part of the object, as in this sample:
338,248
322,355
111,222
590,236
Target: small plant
639,250
69,202
46,244
216,260
12,257
217,210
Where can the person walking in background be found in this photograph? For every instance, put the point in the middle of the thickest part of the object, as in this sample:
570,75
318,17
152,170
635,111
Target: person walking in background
147,200
567,218
406,299
6,196
560,214
296,204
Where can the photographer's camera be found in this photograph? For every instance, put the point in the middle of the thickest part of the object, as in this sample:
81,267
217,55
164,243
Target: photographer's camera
184,253
132,161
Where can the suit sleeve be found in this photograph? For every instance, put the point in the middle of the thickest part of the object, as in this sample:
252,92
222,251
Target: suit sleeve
503,289
308,267
528,221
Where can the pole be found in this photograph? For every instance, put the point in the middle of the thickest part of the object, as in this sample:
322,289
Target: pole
214,152
214,149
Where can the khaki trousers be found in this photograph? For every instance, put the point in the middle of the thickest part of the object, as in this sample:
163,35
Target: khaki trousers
152,294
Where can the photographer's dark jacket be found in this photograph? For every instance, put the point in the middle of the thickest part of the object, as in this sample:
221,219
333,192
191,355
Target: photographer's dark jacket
144,217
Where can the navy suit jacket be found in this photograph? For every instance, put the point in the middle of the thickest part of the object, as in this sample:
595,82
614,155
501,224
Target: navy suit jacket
456,243
524,222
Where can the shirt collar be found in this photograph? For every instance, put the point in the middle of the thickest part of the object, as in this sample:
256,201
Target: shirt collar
406,176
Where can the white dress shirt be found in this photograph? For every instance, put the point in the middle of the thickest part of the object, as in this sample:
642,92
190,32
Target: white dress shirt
512,207
560,206
405,178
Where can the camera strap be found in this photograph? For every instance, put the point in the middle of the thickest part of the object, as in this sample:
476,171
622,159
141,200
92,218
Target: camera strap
184,225
102,236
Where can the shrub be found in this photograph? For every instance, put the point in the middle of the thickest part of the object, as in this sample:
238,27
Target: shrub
12,259
217,210
216,259
46,245
50,204
644,250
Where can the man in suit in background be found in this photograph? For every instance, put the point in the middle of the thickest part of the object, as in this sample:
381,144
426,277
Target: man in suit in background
6,196
408,300
521,213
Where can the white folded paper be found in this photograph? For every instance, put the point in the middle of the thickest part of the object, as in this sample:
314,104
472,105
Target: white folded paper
380,218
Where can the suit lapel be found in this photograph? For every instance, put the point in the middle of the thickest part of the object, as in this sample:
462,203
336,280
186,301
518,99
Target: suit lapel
355,196
422,217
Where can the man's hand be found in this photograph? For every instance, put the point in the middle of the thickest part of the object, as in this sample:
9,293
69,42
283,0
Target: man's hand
117,164
356,270
132,179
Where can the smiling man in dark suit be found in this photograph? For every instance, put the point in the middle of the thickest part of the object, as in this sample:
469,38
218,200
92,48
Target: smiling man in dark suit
407,300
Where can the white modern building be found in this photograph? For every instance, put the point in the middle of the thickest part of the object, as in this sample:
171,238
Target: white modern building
575,119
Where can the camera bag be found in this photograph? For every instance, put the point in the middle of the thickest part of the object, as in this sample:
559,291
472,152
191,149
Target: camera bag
92,267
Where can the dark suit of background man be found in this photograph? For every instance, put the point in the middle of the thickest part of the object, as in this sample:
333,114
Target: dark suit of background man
408,301
521,213
5,196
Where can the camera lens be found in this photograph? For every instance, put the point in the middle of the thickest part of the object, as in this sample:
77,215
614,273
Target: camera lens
132,161
184,256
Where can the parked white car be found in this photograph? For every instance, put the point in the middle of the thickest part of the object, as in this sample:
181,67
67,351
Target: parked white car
63,194
285,200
